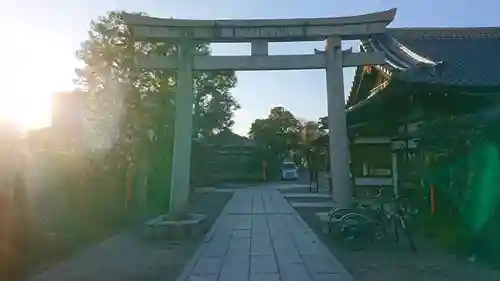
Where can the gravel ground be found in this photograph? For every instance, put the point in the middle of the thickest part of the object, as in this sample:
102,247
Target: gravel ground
388,261
128,257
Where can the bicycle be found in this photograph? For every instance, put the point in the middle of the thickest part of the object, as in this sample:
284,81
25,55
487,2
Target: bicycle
358,228
336,214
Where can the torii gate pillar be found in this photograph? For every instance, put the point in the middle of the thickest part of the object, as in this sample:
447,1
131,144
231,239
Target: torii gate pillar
337,127
181,159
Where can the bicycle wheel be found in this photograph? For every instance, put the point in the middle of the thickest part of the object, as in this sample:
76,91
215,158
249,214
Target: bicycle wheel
407,233
334,216
357,231
338,213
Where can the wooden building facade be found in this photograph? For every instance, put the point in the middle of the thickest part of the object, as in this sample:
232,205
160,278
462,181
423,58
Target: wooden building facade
429,73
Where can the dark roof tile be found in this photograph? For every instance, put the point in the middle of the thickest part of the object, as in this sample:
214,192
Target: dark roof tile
447,56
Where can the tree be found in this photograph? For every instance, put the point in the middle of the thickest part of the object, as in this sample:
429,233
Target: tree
310,131
276,135
132,110
214,104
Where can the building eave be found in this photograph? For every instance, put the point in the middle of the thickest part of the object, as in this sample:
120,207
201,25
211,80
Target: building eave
374,93
447,56
398,56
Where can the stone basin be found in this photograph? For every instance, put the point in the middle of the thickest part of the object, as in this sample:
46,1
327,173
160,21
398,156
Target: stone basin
165,227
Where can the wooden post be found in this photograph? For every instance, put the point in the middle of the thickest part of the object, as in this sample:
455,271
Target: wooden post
395,186
264,170
129,188
433,199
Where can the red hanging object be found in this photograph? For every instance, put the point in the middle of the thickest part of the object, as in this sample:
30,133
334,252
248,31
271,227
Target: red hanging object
433,199
264,169
129,187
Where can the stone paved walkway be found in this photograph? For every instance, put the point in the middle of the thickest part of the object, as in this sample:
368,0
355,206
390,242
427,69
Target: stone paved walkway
260,237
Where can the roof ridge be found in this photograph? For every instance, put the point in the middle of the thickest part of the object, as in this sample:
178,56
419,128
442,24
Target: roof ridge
417,58
398,55
446,32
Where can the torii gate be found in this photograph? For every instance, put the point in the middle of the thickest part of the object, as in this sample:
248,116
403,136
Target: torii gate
186,33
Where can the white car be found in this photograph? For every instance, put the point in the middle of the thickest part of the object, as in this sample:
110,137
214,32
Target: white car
288,171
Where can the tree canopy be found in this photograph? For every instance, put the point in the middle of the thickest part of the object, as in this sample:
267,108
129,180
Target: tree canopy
310,131
109,77
278,133
134,108
281,135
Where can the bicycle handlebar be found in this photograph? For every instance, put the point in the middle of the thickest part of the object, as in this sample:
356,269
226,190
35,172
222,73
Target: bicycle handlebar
379,195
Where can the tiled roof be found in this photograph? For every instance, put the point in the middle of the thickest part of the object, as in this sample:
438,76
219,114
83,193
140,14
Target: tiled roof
228,138
446,56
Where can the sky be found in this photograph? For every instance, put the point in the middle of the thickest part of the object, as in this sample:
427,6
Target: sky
42,36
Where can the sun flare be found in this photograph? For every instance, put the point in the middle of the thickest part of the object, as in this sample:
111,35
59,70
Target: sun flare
26,97
26,111
29,79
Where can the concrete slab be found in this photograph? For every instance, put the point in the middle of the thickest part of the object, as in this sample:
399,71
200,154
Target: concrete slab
326,225
264,276
204,189
225,190
307,195
164,227
260,237
290,186
163,220
326,204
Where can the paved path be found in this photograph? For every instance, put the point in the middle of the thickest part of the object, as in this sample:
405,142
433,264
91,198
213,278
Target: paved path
260,237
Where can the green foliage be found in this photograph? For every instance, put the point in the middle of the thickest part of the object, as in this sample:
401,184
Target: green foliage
132,110
277,134
310,131
281,133
446,138
444,159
